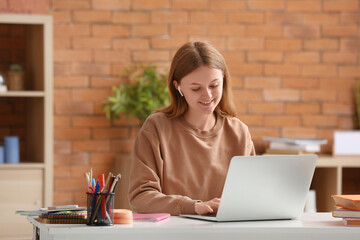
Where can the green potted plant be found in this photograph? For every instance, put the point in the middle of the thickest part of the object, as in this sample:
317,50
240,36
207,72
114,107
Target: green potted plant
144,91
16,77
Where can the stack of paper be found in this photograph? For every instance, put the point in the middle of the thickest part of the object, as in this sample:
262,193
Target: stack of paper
347,208
293,145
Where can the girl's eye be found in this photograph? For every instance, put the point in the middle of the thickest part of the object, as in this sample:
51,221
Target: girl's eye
214,86
195,89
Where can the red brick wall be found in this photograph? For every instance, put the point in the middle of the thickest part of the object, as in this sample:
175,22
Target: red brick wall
293,64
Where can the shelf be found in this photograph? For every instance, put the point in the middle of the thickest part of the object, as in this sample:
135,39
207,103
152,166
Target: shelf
23,94
330,161
22,166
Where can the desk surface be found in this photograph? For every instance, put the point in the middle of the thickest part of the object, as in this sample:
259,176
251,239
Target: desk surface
309,226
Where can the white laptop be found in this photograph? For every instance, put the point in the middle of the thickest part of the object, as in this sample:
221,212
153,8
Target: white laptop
266,187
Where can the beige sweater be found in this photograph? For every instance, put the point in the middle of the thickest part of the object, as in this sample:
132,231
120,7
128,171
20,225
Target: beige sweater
175,164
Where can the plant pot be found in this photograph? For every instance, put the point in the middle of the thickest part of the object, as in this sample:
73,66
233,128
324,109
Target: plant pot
346,143
15,81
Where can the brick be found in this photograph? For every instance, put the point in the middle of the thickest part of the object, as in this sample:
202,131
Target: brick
89,95
131,44
71,133
282,69
111,4
245,43
246,17
321,44
72,55
302,57
226,30
300,82
227,5
318,95
126,121
150,5
257,133
247,95
168,43
264,31
350,44
262,82
190,4
283,44
62,172
283,121
339,57
303,6
266,107
340,31
71,81
3,5
169,17
338,109
98,158
299,132
264,56
283,18
319,70
90,69
207,17
111,56
349,71
345,96
187,30
337,83
246,69
63,198
236,82
105,82
62,95
71,4
91,43
281,95
302,31
73,108
110,31
321,18
71,159
131,17
34,7
346,122
149,30
233,57
78,171
252,119
347,17
91,121
109,133
62,147
151,56
61,17
127,146
62,43
71,30
266,5
92,16
90,145
61,121
71,184
341,6
302,108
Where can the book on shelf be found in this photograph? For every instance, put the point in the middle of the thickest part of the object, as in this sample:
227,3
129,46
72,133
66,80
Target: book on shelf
345,213
351,222
347,201
282,151
293,145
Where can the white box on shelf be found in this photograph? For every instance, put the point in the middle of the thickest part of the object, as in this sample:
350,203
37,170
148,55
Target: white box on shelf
346,143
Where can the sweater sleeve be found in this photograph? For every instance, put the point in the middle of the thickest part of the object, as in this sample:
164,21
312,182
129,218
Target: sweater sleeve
145,188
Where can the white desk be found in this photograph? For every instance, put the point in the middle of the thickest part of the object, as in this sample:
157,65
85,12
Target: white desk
311,226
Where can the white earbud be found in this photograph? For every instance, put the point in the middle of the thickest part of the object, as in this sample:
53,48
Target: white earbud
180,91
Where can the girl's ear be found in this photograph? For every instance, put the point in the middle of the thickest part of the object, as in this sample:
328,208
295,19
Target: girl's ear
175,83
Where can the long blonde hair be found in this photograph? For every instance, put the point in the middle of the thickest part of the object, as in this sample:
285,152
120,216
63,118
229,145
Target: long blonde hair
188,58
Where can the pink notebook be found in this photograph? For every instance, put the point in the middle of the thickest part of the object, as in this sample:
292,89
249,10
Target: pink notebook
150,217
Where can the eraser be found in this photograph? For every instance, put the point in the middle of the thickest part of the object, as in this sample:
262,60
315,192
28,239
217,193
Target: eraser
123,216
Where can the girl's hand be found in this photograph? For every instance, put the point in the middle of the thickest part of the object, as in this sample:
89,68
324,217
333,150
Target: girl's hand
209,207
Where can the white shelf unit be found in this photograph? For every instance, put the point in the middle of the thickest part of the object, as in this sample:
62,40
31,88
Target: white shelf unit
29,184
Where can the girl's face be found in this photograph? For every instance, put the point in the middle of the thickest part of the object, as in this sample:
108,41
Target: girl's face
202,89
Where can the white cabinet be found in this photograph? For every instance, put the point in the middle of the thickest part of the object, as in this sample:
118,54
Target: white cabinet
28,113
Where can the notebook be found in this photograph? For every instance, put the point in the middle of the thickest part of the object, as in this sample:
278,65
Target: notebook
266,187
